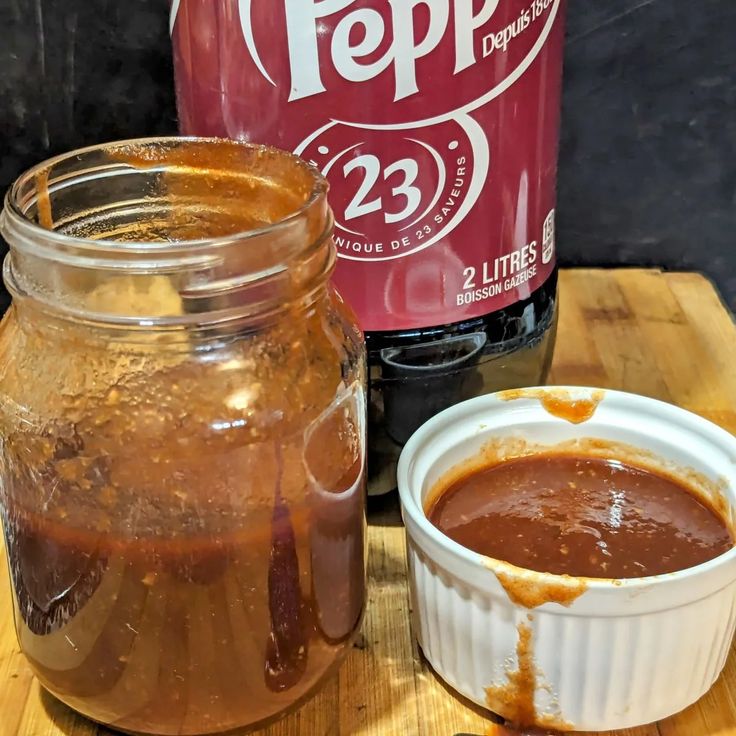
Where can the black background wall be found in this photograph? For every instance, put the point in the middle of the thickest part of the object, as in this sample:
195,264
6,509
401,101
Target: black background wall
648,153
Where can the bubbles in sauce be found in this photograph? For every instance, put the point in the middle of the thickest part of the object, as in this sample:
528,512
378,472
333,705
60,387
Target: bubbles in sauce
570,514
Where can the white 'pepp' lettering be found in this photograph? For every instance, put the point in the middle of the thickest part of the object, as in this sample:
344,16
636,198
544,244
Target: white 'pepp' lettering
303,21
301,31
345,56
405,54
464,20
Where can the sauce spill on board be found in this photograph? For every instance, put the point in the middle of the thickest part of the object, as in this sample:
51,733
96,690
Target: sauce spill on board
501,729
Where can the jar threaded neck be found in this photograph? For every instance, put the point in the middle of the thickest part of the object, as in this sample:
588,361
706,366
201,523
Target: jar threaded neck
168,231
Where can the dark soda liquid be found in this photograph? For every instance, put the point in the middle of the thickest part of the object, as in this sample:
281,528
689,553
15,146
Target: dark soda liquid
416,373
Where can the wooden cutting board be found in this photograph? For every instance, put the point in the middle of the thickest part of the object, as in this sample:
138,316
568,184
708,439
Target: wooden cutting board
664,335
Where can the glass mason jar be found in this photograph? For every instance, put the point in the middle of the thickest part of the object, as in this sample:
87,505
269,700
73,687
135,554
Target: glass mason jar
182,420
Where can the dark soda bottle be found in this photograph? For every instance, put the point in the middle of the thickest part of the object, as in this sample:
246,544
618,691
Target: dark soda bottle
436,123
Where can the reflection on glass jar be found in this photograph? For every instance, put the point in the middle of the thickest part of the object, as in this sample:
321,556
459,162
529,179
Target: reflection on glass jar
182,419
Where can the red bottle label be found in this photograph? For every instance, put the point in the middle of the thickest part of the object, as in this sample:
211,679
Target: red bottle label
435,121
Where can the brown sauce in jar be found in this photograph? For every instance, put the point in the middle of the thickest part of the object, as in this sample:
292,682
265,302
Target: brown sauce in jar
215,587
183,509
194,632
584,516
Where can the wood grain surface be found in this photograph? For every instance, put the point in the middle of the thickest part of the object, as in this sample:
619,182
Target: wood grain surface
664,335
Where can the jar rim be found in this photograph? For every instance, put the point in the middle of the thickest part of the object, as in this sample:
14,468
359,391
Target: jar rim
13,209
140,201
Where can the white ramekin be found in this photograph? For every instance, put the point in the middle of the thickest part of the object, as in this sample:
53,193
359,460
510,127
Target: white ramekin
623,653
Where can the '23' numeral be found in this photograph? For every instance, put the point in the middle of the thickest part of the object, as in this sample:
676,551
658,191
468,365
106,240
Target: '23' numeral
371,165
